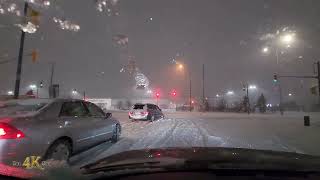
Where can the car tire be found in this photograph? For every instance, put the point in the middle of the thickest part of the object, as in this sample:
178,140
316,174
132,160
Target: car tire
116,134
60,150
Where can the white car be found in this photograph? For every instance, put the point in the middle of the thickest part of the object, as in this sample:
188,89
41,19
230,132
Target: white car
145,112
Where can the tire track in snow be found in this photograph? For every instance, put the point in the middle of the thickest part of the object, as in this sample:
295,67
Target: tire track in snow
209,140
155,134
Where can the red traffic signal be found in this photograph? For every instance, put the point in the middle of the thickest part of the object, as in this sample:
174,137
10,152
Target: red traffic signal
174,93
34,55
157,95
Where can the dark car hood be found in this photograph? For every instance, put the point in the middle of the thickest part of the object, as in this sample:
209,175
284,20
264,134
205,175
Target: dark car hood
228,157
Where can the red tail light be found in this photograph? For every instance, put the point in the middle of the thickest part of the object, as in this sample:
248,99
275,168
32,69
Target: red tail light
130,113
9,132
144,113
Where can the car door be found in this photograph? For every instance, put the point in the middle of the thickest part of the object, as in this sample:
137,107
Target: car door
74,117
103,125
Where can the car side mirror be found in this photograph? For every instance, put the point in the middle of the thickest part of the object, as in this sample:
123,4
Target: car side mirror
108,115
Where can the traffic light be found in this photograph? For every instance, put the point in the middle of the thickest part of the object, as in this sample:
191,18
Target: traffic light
34,55
157,95
275,78
34,16
41,84
174,93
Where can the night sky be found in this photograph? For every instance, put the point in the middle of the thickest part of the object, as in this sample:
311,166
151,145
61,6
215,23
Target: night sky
225,35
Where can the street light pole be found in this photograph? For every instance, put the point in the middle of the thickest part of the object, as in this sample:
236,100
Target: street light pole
203,85
318,67
248,103
190,101
277,55
280,98
19,65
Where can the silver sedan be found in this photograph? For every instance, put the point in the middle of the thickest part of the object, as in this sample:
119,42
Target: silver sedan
52,129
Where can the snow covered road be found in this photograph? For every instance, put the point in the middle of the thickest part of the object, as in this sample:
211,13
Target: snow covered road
269,132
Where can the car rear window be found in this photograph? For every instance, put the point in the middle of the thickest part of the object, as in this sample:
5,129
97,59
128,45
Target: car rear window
138,106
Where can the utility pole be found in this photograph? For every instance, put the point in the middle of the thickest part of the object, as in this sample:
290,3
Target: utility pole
190,95
19,65
51,88
203,86
248,102
318,68
84,95
280,99
52,73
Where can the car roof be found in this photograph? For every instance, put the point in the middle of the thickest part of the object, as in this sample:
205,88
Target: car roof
28,101
40,100
140,104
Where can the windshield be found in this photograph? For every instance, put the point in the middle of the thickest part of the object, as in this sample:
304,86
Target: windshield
149,74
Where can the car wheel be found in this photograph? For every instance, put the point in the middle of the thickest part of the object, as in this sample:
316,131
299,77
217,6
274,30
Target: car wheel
59,150
116,134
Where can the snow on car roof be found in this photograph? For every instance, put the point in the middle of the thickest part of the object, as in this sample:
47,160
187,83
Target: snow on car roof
27,101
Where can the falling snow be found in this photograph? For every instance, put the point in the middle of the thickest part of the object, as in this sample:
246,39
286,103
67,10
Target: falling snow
141,80
108,6
66,25
28,28
40,3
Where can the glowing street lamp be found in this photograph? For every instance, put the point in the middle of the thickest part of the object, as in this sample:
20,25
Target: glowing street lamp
287,38
180,66
284,40
230,93
252,87
10,93
265,50
74,92
33,86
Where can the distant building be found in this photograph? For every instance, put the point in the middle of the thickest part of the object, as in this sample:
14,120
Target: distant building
126,103
104,104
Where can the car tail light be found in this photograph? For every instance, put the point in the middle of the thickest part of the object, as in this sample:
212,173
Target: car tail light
144,113
9,132
130,113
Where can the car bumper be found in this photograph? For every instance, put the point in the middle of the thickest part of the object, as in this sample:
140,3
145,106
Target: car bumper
139,117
